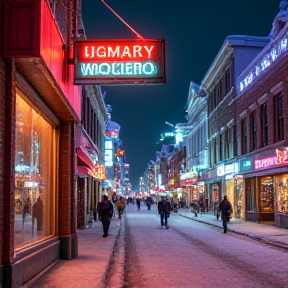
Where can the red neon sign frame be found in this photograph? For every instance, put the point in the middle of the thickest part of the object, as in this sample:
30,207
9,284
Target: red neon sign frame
119,61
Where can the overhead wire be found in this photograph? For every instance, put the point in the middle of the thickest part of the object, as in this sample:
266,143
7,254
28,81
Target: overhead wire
122,20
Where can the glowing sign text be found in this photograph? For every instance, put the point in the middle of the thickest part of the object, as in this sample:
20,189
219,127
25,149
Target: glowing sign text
118,69
119,61
282,156
136,51
265,162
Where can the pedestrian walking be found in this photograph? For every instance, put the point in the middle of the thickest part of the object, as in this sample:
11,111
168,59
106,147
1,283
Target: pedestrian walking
149,202
114,199
226,211
120,205
105,212
138,202
216,210
201,205
164,208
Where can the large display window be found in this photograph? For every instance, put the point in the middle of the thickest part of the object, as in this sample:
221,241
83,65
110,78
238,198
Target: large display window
33,175
239,201
266,194
230,194
281,193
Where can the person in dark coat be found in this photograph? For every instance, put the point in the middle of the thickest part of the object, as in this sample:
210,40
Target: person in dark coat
37,213
201,205
149,202
164,208
138,202
226,211
105,212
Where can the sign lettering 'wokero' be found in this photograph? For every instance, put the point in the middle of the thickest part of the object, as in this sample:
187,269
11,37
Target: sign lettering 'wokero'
119,61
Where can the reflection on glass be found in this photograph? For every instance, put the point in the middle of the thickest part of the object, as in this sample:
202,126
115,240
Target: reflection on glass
282,193
250,190
267,194
33,190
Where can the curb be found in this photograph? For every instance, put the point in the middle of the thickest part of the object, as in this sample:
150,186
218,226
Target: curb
114,277
259,239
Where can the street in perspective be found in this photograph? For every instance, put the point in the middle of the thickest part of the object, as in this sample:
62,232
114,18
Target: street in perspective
193,252
143,144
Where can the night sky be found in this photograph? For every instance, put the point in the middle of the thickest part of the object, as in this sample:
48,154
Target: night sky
194,31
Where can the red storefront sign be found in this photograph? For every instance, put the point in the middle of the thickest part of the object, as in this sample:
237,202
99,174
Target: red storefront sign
119,61
112,133
189,182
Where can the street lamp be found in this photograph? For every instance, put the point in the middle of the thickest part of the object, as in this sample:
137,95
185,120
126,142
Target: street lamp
169,124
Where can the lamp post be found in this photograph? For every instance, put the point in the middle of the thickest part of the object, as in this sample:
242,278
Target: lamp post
169,124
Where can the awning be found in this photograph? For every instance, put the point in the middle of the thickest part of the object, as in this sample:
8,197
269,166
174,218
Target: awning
83,158
82,171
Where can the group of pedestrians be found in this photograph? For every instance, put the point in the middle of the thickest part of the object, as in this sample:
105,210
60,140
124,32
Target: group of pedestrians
106,210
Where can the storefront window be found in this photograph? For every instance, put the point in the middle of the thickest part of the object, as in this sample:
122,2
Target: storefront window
250,195
282,193
230,194
215,191
33,174
266,194
239,203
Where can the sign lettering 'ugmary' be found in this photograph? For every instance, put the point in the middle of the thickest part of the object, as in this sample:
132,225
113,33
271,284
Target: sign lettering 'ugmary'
119,61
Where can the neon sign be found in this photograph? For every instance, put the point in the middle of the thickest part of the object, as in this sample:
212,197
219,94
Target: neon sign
112,133
280,159
99,172
125,61
278,48
282,156
246,165
108,153
120,152
265,162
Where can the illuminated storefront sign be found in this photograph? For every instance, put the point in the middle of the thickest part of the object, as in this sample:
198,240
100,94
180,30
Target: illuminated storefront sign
188,178
282,156
227,169
119,61
108,153
188,182
231,168
99,172
265,162
246,165
112,133
188,175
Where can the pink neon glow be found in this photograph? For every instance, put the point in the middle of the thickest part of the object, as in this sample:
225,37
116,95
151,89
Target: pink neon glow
265,162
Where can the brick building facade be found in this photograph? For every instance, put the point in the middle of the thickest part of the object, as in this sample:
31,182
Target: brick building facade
39,137
235,55
262,103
